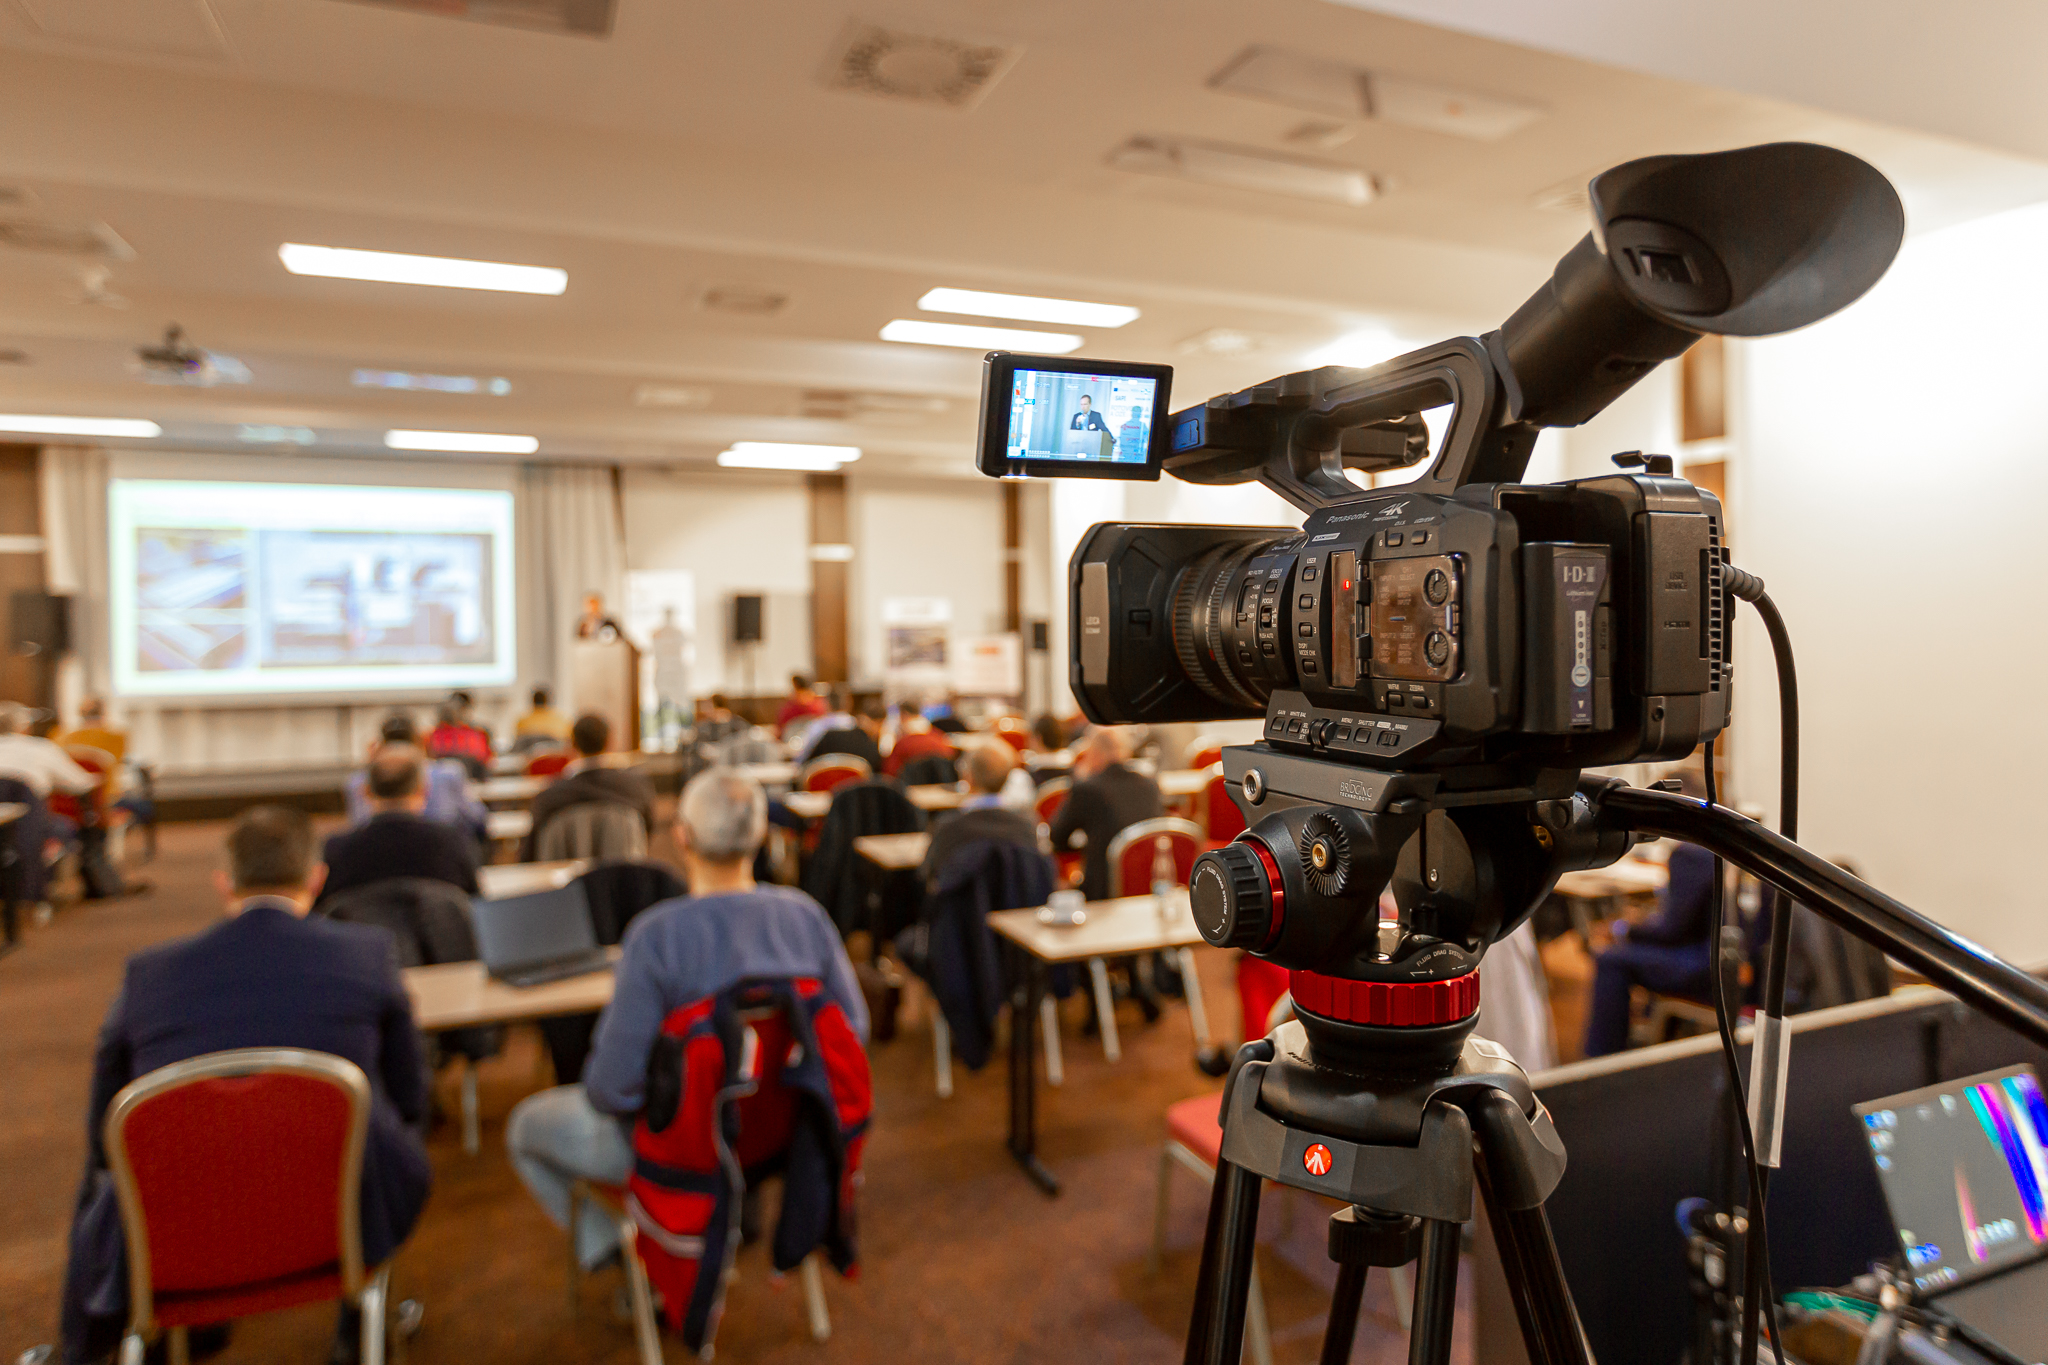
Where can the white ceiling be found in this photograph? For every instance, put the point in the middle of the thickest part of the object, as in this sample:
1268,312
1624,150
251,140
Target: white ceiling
698,147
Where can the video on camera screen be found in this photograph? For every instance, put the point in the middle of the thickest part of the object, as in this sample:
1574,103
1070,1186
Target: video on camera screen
1092,418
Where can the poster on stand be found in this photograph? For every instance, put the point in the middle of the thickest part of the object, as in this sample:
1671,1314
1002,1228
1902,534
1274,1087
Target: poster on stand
916,635
989,666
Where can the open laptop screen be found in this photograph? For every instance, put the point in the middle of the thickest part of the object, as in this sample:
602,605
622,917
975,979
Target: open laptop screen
522,931
1964,1167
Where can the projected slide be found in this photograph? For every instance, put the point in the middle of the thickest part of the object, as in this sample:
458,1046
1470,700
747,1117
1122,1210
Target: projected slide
223,588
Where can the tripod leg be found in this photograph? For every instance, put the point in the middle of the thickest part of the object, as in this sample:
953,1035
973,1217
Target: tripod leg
1343,1325
1436,1295
1551,1333
1216,1330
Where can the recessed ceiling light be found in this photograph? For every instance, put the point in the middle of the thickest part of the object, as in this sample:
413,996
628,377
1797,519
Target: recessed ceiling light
446,272
80,426
981,338
474,442
1246,168
780,455
671,396
432,383
1027,307
1366,347
263,434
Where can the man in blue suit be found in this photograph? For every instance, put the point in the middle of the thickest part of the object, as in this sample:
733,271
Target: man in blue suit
266,976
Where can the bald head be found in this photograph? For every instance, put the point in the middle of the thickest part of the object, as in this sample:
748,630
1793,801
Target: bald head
990,766
397,777
1102,747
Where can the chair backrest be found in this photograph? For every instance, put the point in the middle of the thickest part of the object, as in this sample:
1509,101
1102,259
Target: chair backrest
1204,751
829,771
932,770
237,1168
548,763
92,758
1138,849
1051,796
1222,821
591,829
430,919
1013,732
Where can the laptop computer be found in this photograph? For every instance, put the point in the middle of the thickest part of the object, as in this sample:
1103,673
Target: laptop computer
1964,1169
547,936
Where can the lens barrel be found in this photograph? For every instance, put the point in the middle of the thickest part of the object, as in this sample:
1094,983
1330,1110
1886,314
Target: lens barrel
1216,624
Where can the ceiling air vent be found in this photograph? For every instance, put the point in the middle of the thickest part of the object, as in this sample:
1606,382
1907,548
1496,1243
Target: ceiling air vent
918,67
744,300
585,18
95,241
1246,168
1342,91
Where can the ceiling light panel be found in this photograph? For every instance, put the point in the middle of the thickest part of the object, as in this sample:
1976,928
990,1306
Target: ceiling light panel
442,272
467,442
1027,308
1246,168
497,386
1340,90
980,338
80,426
781,455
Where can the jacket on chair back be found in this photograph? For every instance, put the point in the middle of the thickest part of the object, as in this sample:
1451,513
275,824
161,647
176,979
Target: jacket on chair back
951,945
765,1078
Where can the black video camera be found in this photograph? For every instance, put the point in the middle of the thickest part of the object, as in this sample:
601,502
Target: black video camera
1436,661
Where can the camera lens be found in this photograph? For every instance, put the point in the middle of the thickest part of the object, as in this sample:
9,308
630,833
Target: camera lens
1215,626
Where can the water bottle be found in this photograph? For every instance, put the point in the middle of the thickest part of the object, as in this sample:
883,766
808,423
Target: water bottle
1163,878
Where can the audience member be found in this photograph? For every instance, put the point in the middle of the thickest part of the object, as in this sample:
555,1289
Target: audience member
803,703
682,951
448,798
946,717
715,719
267,976
1109,796
40,764
803,735
93,729
454,736
543,722
587,780
1671,952
915,740
862,739
1049,734
982,814
399,840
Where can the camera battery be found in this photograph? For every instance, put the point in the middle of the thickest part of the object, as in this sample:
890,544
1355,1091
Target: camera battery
1567,643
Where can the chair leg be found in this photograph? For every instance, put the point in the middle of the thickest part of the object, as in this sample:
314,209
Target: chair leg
132,1349
1401,1279
1049,1024
1258,1334
1105,1009
372,1305
180,1349
1191,986
575,1261
814,1298
644,1326
472,1137
942,1053
1154,1262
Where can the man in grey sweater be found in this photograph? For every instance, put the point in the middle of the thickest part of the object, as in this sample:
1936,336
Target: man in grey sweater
727,929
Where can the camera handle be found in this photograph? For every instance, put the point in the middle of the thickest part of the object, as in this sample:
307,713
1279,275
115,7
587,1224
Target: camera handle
1970,972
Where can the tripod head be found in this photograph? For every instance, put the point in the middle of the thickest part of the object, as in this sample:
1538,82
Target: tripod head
1467,856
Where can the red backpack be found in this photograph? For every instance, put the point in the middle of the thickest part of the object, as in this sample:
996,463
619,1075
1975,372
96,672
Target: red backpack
765,1078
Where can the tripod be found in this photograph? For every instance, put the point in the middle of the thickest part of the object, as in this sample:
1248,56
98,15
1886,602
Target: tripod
1397,1121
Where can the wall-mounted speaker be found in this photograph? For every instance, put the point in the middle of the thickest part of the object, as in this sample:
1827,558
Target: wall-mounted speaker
38,622
746,619
1041,637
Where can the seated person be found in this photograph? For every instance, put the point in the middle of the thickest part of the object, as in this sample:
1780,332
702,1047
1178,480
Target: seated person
1109,796
39,764
454,736
1672,952
678,952
543,724
803,735
915,740
93,730
448,798
803,703
946,718
862,739
982,815
266,976
587,780
399,840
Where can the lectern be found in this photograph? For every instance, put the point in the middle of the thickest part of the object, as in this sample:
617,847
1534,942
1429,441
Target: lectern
604,678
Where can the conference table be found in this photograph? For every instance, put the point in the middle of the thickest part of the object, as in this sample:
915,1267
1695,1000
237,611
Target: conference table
463,995
1123,927
510,791
768,774
929,799
508,826
1177,784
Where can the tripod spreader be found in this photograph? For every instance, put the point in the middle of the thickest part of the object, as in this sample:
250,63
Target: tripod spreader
1971,973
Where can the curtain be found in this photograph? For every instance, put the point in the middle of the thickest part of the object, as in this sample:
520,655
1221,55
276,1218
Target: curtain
74,496
574,546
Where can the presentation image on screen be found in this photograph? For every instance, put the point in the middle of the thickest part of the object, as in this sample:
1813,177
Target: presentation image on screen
224,588
1059,416
1963,1167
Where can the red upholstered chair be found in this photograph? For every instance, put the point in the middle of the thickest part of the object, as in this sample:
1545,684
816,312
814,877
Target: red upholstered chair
239,1175
1205,751
549,763
1051,796
831,772
1013,732
1221,820
1194,1142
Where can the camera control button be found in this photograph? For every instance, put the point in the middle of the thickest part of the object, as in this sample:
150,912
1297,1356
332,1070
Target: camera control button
1267,648
1304,629
1389,738
1437,649
1418,537
1437,586
1307,601
1308,665
1393,538
1308,574
1397,699
1420,703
